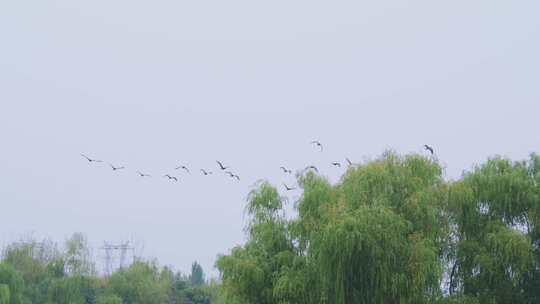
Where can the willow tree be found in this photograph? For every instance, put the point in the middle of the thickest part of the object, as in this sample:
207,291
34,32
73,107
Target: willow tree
393,230
381,231
11,285
376,237
250,272
4,294
496,235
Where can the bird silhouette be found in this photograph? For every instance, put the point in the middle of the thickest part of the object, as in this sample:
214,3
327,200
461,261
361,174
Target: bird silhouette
285,170
232,175
428,148
116,168
91,160
183,167
204,172
171,177
317,143
221,166
143,174
336,164
288,188
312,167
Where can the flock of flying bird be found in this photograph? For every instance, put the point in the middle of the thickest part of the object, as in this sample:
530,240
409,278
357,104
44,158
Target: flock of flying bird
170,177
224,168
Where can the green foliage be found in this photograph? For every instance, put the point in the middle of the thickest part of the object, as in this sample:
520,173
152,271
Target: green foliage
394,231
34,262
197,274
68,277
264,203
458,300
140,283
215,292
495,208
77,256
249,273
12,285
52,276
349,241
108,299
66,290
197,296
4,294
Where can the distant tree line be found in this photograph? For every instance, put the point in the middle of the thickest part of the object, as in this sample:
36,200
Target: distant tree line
394,230
34,272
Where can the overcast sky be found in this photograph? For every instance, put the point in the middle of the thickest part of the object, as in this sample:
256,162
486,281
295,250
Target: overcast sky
153,84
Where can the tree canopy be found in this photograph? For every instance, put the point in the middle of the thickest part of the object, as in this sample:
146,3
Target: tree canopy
394,230
197,274
41,273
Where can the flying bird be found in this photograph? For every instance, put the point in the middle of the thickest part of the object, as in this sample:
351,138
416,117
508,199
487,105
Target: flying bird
289,188
312,167
116,168
317,143
336,164
285,170
91,160
428,148
171,177
143,174
221,166
233,175
205,172
183,167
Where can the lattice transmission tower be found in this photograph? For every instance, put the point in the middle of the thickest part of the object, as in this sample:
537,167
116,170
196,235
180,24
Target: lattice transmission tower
116,251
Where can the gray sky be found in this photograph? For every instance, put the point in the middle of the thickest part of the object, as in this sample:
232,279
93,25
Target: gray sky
150,85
